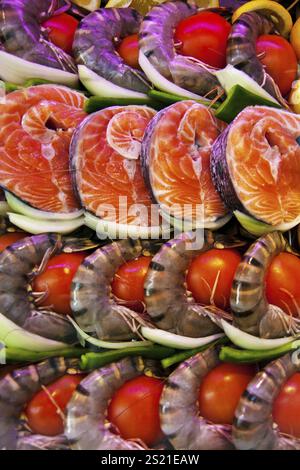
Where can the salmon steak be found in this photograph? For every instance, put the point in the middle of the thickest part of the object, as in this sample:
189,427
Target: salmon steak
256,165
36,126
176,163
106,167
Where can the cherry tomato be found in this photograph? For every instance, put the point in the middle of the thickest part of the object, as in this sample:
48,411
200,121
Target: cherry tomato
128,283
286,409
210,276
134,409
61,30
56,280
129,50
43,414
282,283
221,390
279,59
10,238
204,36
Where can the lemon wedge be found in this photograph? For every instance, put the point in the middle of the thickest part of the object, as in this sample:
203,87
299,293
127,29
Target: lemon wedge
90,5
279,15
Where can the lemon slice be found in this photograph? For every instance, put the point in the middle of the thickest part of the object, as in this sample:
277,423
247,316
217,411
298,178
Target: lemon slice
142,6
279,15
205,3
90,5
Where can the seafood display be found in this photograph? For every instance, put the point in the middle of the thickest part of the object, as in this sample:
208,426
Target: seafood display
241,48
36,128
22,34
253,427
149,225
179,414
157,45
16,389
94,46
258,158
176,158
106,167
249,306
93,308
86,427
165,282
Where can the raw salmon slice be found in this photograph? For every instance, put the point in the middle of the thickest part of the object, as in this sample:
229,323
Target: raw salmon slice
36,126
256,165
105,153
176,161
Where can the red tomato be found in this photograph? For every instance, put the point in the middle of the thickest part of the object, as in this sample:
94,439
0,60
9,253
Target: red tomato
213,269
282,283
204,36
134,409
61,30
129,50
128,283
221,390
56,280
10,238
286,409
43,415
280,60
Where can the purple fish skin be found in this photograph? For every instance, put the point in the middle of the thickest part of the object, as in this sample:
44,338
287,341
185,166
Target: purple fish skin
220,173
23,36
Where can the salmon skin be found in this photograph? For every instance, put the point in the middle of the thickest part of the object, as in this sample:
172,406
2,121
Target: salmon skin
176,163
255,165
36,126
105,163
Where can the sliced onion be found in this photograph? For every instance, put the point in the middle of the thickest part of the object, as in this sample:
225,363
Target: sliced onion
16,70
171,340
230,76
246,341
84,337
21,207
163,83
113,230
99,86
36,226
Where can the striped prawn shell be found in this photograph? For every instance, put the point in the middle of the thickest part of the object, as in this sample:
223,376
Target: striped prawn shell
241,49
165,289
86,424
253,426
179,412
18,388
93,307
95,46
156,42
16,264
248,300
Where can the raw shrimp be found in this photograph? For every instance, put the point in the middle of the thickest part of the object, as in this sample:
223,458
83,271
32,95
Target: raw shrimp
92,304
16,390
95,46
250,309
165,290
156,42
241,49
22,35
86,425
18,265
253,427
179,412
